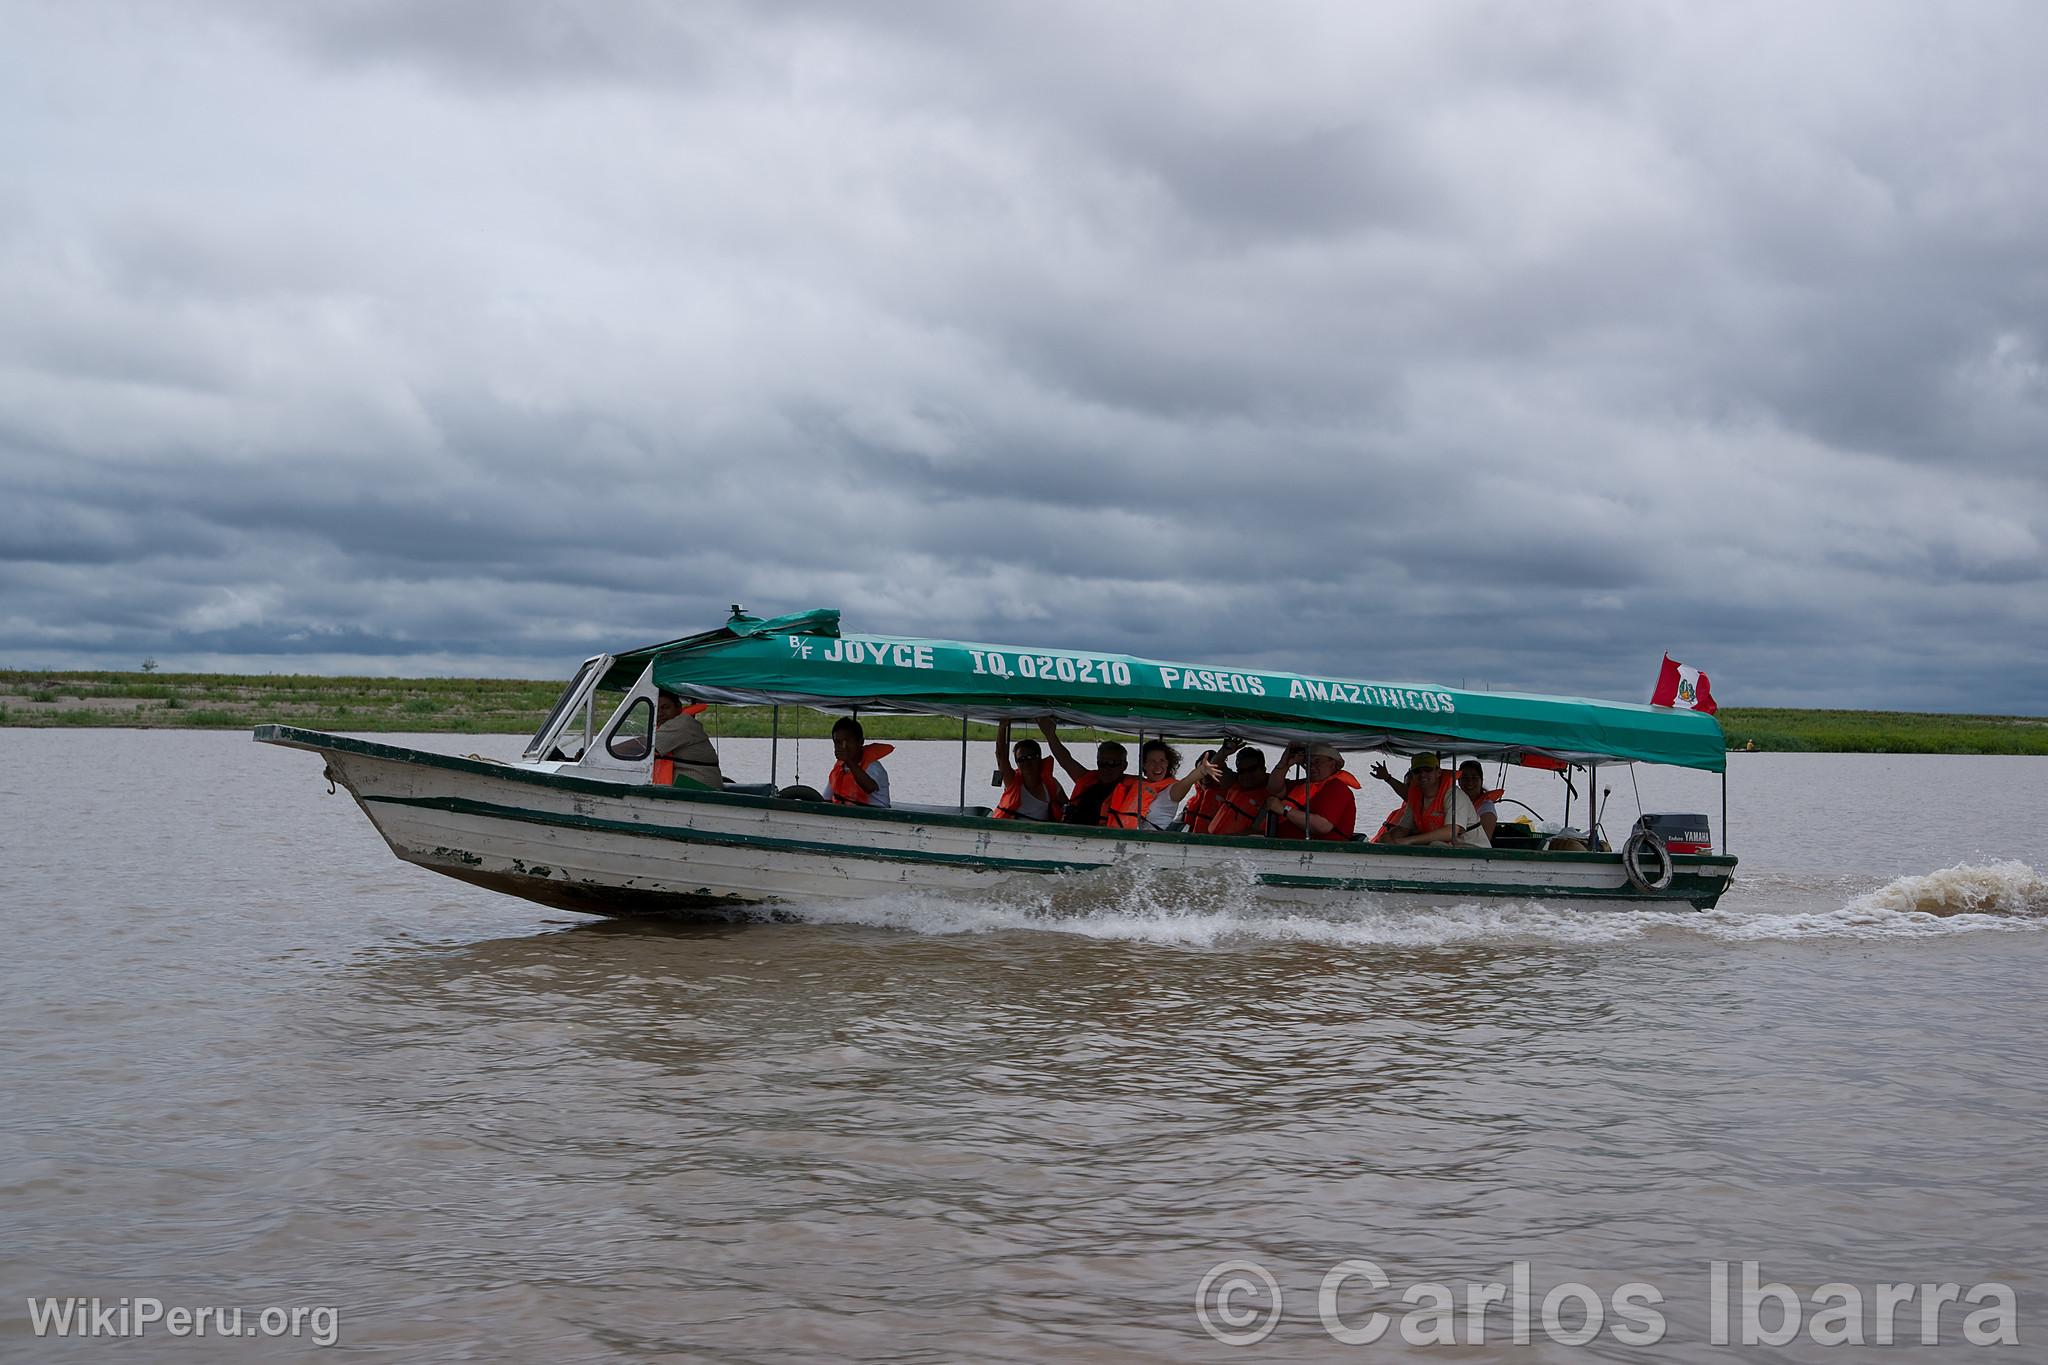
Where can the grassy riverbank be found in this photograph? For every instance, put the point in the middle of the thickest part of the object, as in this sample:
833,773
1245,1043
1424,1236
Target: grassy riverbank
512,706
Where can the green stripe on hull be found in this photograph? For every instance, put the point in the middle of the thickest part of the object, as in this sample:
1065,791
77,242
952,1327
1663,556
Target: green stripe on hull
456,805
1684,890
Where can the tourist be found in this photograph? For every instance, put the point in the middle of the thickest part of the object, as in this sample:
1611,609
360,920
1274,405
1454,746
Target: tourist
1321,807
1434,811
1030,790
1092,786
1109,796
1236,803
1472,782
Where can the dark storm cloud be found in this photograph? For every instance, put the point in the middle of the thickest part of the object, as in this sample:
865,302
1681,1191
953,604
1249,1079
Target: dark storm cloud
1500,344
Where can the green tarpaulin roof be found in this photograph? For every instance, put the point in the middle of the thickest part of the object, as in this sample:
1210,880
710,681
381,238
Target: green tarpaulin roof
805,660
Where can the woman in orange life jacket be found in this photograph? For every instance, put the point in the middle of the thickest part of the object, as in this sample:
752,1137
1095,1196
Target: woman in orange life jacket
1152,799
1321,807
1030,790
1107,795
857,777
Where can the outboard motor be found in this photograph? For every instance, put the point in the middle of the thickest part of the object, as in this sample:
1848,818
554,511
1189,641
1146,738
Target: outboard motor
1680,833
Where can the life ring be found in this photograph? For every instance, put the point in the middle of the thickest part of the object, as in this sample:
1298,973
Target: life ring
1631,862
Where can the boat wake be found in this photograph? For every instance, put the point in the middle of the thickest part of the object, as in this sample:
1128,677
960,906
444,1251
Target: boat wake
1172,909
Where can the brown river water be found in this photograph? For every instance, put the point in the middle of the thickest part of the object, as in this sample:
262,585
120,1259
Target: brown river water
253,1061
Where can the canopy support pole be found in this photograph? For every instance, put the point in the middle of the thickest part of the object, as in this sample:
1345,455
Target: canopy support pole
1724,809
774,740
963,762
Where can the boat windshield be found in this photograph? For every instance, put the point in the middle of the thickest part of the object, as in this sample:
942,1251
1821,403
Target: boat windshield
573,693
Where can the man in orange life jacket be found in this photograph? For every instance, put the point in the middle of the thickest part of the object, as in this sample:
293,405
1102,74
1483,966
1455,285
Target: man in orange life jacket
1230,803
1433,810
1030,791
1212,775
1320,808
857,777
681,742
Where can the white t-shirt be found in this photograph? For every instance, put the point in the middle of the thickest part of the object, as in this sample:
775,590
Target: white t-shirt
880,795
1458,811
1465,817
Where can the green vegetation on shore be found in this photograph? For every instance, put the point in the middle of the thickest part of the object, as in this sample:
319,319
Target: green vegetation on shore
219,701
1882,732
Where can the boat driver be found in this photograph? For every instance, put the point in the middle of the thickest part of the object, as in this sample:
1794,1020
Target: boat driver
680,738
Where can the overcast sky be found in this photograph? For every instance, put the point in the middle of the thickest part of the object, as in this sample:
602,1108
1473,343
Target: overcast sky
1500,344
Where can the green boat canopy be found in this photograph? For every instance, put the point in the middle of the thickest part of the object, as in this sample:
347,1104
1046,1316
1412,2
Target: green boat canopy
804,660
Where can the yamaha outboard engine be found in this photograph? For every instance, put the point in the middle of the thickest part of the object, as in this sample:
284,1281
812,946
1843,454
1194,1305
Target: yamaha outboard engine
1680,833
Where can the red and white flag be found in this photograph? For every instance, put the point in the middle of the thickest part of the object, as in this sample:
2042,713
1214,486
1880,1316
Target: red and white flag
1682,687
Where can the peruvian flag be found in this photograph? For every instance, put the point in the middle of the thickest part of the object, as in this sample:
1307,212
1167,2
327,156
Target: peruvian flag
1682,687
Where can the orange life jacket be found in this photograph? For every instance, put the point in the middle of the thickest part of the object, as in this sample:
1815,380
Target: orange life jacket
664,774
1301,793
1235,811
840,783
1427,815
1013,793
1125,807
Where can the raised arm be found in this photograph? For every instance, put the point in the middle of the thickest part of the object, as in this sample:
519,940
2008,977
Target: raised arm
1003,770
1384,774
1060,753
1200,772
1276,781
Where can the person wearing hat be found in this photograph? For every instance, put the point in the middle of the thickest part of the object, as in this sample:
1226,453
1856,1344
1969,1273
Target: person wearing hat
1434,810
1321,807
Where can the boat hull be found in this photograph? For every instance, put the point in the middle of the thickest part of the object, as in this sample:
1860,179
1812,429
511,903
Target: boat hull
609,848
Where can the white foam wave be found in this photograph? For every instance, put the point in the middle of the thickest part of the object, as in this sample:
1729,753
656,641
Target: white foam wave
1362,928
1170,909
1966,898
2007,888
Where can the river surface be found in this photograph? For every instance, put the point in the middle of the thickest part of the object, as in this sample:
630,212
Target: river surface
252,1061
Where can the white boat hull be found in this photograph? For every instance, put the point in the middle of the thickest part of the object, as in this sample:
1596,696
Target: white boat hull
613,848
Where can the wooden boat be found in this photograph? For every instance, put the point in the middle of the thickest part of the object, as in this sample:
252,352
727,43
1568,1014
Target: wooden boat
578,822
